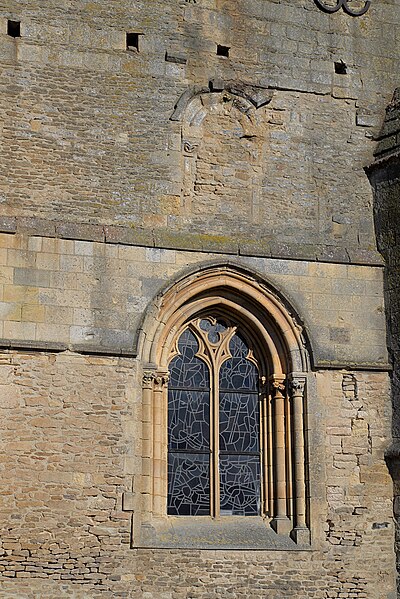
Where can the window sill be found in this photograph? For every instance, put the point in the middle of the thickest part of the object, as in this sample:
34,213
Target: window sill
227,532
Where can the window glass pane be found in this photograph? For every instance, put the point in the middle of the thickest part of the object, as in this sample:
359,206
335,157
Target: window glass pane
240,485
238,373
187,371
188,484
239,422
213,330
188,420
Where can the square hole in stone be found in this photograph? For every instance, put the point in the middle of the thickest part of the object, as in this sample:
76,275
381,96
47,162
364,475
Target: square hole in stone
14,28
341,68
223,50
132,41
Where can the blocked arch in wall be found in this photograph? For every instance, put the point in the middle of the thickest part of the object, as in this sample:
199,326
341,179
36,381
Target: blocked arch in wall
279,342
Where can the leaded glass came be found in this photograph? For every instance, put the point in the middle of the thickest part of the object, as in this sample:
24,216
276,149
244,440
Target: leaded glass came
213,423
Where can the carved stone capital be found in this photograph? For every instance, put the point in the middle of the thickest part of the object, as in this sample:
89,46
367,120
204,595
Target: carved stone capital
160,380
297,385
188,147
277,383
152,379
148,378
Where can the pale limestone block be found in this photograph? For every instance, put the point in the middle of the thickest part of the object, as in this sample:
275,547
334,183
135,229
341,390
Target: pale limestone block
10,396
83,317
59,315
18,293
35,244
47,261
10,241
84,248
132,253
20,330
71,263
10,311
3,256
32,313
64,246
6,274
21,258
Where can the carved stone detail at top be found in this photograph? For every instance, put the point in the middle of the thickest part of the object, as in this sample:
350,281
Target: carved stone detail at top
278,384
157,379
297,385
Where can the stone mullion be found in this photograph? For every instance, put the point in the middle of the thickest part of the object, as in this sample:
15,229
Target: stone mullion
297,386
270,428
289,457
214,440
280,522
164,446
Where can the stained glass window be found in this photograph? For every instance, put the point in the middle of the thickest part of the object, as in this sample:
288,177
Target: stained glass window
188,431
213,423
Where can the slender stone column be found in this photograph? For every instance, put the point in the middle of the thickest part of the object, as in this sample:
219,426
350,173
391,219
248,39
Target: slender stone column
297,384
280,523
264,445
147,441
159,443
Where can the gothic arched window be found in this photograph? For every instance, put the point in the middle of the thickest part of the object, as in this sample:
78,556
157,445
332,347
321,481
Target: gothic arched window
223,414
215,457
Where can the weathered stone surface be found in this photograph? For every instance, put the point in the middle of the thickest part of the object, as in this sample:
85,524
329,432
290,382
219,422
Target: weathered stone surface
63,459
92,142
123,169
385,178
92,296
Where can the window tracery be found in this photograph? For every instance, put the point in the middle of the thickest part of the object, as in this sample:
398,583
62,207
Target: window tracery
224,429
214,452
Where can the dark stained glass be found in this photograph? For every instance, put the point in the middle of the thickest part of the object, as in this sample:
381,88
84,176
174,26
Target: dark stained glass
239,428
240,485
189,440
186,371
188,431
237,373
188,484
213,330
188,420
239,422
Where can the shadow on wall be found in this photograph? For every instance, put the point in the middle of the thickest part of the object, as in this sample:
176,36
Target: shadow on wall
384,176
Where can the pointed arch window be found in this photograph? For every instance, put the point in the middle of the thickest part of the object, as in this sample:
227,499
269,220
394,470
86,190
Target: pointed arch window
215,455
224,418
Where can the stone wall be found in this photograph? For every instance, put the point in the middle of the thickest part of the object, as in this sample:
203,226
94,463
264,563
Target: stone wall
91,296
95,132
70,446
385,179
124,169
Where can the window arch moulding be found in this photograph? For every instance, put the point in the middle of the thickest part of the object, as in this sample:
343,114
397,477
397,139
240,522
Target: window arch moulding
246,308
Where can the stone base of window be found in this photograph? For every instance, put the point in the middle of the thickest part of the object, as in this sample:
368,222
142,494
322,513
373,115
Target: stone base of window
282,526
301,536
227,532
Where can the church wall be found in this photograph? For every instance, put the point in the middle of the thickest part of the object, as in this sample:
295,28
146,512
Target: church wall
71,443
70,447
59,293
124,169
95,132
